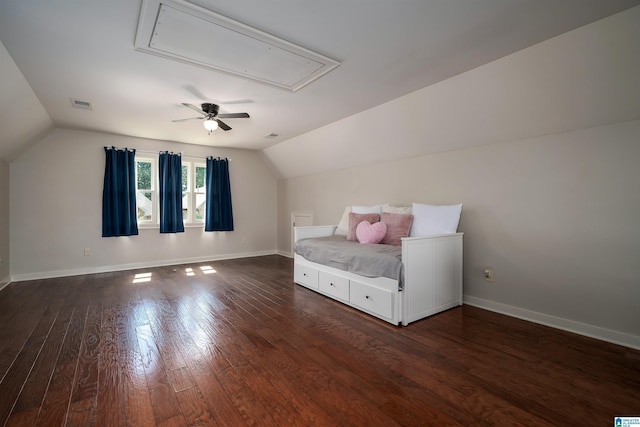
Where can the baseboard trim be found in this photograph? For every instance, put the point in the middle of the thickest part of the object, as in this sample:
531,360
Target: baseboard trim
120,267
287,254
591,331
5,282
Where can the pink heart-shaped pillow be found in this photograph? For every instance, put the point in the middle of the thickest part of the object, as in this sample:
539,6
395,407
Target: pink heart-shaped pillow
368,233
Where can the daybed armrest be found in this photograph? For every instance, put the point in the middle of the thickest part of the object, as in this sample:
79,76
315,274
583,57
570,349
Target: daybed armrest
414,244
454,236
433,272
313,231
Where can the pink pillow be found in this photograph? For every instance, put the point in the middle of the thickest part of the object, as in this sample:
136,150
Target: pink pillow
368,233
398,226
355,219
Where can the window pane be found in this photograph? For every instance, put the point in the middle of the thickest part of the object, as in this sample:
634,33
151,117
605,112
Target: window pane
185,207
201,198
143,170
201,172
144,204
185,178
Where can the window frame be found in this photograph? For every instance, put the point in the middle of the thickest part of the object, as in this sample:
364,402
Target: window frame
153,222
192,165
192,195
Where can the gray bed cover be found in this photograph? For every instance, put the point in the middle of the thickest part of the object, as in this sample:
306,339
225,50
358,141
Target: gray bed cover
365,260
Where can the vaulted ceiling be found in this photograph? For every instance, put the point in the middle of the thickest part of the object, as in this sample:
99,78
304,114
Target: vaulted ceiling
52,52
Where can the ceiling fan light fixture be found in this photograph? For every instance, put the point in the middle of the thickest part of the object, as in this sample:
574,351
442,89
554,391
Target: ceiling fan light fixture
210,125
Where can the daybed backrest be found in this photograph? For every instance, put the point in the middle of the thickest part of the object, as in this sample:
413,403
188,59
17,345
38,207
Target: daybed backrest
428,219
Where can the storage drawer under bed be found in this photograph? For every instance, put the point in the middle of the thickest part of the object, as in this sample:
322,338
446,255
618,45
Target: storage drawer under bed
305,275
371,299
333,285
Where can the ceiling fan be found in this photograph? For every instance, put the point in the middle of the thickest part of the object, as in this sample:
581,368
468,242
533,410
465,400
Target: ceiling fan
211,117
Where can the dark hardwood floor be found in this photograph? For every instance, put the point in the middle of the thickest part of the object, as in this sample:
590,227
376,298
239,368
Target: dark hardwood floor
236,342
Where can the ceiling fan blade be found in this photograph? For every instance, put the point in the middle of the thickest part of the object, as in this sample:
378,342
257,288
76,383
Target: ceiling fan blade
237,101
193,107
195,92
223,125
234,116
188,118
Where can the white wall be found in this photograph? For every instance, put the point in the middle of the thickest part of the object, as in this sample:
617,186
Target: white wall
541,147
4,223
555,216
56,210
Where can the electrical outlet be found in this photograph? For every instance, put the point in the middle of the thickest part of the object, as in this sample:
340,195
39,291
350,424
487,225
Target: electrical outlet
488,273
87,251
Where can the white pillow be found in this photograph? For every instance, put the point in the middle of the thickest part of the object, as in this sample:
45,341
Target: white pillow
343,225
367,209
429,220
397,209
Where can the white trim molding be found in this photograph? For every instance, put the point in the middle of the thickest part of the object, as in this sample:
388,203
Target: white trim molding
133,266
285,253
5,282
591,331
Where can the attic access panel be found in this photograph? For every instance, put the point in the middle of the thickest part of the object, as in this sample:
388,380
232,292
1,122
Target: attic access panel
178,30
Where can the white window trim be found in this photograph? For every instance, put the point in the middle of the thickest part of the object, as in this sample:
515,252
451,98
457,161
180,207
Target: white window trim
192,164
153,222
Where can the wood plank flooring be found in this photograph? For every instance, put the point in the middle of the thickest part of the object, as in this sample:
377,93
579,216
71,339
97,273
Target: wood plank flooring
236,342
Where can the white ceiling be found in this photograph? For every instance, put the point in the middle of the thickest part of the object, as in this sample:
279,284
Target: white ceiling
85,50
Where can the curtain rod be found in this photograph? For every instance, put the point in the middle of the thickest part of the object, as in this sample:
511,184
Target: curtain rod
181,153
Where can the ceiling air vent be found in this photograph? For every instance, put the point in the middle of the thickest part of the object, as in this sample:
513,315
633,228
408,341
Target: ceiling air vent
188,33
83,105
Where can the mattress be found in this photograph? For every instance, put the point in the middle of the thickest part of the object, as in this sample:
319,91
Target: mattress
364,260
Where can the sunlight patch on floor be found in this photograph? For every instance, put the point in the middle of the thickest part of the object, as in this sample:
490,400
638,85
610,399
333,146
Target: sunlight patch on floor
142,277
207,269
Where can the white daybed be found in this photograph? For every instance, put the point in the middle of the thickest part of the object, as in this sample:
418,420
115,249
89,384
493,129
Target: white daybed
430,282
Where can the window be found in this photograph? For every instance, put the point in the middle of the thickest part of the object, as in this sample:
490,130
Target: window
194,193
146,197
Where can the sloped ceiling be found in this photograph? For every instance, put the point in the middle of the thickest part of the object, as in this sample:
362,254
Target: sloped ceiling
23,119
584,78
85,50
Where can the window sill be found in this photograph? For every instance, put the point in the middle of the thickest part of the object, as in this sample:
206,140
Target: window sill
157,226
194,225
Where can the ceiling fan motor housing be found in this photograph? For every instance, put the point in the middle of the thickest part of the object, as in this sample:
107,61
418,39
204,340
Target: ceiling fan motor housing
211,109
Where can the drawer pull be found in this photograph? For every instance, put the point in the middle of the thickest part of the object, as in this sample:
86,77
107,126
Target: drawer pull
331,284
366,296
304,274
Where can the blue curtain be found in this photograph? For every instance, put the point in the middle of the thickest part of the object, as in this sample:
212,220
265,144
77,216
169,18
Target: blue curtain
170,174
218,211
119,193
